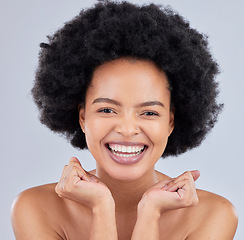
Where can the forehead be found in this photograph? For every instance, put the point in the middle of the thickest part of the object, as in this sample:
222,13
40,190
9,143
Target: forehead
129,79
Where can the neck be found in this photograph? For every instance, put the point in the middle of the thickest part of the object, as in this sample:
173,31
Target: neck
127,194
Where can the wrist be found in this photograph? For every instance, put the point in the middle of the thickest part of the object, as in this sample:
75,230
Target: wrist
104,206
103,221
148,211
147,223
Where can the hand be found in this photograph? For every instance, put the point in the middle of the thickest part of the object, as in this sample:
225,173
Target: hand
78,185
172,194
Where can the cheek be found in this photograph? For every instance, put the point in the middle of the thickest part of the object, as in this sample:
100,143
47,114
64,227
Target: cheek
158,135
158,131
95,131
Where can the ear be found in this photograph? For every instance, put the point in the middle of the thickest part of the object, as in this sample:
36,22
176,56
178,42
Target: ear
81,110
171,121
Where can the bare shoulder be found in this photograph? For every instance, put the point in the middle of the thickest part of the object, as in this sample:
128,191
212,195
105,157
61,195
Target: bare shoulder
34,211
217,205
215,217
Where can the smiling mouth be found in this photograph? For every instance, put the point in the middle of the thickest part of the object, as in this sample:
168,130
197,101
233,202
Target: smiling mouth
126,154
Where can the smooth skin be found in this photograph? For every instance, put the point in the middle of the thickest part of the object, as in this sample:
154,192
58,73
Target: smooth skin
127,102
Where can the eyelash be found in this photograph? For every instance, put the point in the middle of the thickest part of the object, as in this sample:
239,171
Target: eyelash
109,110
150,113
105,110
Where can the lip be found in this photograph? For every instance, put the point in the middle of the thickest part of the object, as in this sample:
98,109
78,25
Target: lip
126,160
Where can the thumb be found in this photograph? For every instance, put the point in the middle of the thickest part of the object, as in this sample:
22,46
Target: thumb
195,174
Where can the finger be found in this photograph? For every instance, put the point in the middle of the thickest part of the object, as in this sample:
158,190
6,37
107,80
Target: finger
169,183
185,177
92,177
78,170
195,174
178,185
64,172
191,175
79,174
161,183
82,174
75,160
73,176
68,170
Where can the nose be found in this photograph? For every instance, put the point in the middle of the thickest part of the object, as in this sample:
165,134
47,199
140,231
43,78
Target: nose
127,126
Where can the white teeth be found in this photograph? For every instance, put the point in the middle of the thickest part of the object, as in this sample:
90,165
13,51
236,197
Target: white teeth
125,149
129,149
125,155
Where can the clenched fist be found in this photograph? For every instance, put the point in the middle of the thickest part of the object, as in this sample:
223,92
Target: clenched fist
78,185
173,193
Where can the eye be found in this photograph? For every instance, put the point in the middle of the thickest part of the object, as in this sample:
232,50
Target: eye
150,113
106,110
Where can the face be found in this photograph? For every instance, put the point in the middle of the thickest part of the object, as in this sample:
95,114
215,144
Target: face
127,118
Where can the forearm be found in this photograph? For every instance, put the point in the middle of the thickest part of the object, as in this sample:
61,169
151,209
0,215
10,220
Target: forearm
104,223
147,224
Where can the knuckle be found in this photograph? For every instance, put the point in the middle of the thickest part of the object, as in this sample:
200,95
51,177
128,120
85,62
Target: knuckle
74,167
58,190
77,167
187,181
187,174
64,188
73,159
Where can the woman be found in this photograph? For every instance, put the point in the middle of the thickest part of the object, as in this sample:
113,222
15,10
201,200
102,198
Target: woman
131,84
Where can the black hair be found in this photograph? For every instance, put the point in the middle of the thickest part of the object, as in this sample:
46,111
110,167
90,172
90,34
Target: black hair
111,30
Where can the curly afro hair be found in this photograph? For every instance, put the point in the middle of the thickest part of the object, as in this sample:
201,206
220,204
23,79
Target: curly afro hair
111,30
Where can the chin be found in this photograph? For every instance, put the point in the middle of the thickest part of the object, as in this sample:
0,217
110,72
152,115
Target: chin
126,174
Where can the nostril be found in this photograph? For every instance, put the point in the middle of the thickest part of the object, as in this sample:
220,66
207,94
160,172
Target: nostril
127,130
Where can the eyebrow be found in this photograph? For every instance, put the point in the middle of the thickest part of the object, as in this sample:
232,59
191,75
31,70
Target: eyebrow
151,103
106,100
112,101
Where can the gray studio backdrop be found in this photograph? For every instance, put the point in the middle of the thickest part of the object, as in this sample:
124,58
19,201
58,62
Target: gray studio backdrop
32,155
